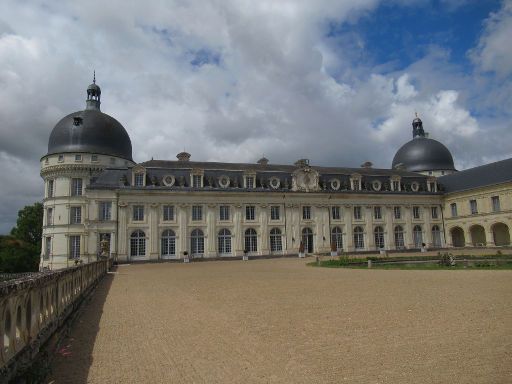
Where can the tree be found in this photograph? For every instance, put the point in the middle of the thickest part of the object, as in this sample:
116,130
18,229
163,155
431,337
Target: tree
17,256
29,226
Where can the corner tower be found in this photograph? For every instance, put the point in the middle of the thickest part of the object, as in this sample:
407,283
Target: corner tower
424,155
81,146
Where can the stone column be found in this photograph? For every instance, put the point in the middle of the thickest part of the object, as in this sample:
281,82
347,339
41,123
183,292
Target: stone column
389,230
409,243
263,219
153,232
238,233
427,225
211,230
489,236
184,240
122,241
370,238
348,235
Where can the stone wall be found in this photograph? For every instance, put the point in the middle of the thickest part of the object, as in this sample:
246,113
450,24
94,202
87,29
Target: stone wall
34,307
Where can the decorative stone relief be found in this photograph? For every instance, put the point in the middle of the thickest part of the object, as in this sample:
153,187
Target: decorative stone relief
305,180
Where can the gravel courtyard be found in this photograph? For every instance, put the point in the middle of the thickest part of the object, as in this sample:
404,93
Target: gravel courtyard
279,321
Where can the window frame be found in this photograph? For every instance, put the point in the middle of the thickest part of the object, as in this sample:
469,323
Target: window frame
138,213
168,212
75,214
377,212
105,211
250,212
495,204
224,213
306,212
74,247
275,212
335,212
197,213
358,212
77,186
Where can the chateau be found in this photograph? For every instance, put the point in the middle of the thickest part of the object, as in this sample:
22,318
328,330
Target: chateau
99,203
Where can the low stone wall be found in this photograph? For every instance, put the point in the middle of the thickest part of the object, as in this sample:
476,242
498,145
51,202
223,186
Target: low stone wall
34,307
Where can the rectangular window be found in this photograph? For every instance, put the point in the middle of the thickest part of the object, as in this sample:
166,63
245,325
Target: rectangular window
105,213
61,158
434,213
76,187
138,213
197,212
196,181
249,212
139,179
358,215
397,212
47,247
78,157
335,212
377,213
453,207
416,212
76,215
49,216
50,188
274,212
249,182
356,184
306,212
168,212
94,158
224,212
473,207
495,203
74,247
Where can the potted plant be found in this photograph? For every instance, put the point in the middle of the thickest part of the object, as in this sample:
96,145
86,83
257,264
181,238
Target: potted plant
301,250
334,249
185,257
246,257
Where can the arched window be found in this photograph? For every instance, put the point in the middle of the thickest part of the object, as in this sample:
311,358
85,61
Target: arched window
138,244
417,236
399,237
436,236
197,243
337,238
168,243
358,238
224,241
251,240
276,244
379,237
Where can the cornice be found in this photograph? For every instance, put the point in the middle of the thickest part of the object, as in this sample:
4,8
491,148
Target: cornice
66,169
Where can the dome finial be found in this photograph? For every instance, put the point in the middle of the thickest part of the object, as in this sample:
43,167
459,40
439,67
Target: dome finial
93,94
417,127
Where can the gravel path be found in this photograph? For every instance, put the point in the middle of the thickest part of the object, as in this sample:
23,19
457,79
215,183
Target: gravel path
278,321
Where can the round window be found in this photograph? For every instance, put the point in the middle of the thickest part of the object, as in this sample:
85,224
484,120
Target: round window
415,186
224,181
335,184
274,182
168,180
376,185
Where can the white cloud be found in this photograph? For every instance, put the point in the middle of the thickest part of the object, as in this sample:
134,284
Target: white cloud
261,84
493,52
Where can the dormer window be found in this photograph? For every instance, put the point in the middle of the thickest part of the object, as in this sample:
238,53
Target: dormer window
196,178
61,158
355,182
395,183
431,184
139,180
94,158
139,176
78,157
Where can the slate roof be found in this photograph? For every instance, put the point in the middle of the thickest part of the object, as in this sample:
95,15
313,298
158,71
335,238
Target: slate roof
169,164
484,175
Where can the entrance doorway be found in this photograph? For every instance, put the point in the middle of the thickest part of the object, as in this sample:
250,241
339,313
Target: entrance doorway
307,240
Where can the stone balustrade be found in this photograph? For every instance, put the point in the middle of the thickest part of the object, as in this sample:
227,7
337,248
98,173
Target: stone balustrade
34,307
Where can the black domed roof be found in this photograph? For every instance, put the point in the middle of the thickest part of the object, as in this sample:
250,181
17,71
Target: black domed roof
424,154
90,131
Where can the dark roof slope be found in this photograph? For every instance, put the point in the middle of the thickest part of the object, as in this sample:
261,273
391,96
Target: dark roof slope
168,164
484,175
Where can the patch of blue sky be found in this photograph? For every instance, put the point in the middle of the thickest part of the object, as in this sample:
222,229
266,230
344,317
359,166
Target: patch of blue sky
393,36
204,56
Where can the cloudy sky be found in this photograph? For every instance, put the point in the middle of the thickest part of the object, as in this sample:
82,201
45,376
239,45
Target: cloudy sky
337,81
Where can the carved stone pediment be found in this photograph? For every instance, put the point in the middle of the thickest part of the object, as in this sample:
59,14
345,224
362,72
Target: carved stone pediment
305,180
